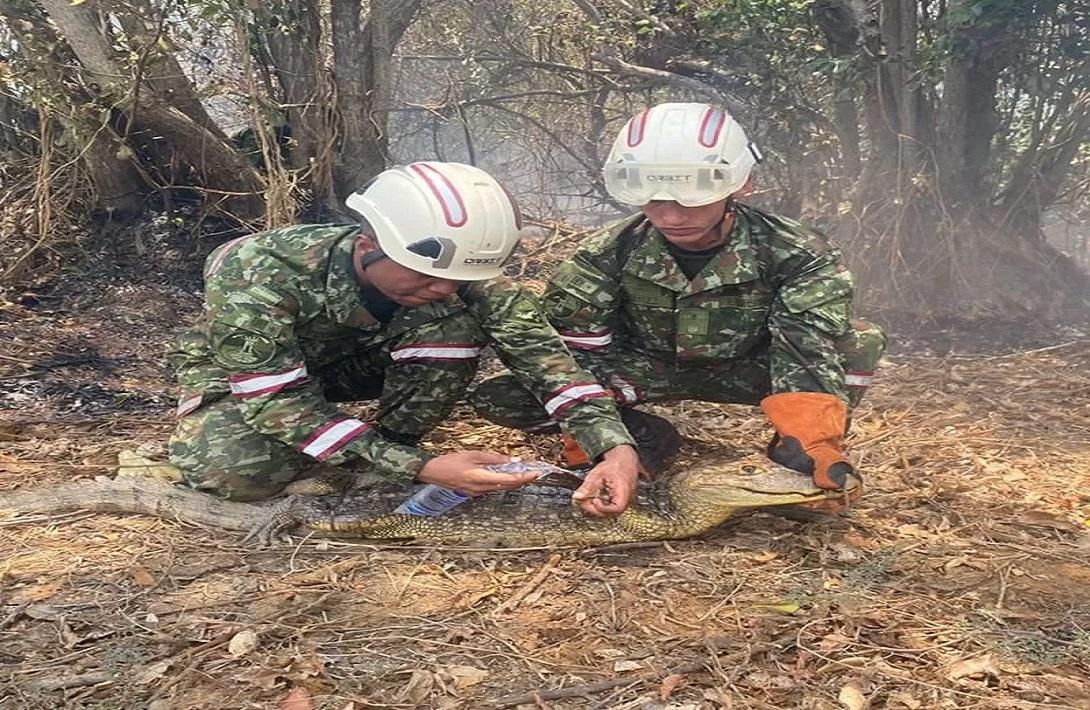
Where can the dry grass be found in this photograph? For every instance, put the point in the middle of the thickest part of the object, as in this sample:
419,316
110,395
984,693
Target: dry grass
960,580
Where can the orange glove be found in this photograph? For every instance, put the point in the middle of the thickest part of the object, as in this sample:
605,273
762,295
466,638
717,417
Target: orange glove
574,456
810,435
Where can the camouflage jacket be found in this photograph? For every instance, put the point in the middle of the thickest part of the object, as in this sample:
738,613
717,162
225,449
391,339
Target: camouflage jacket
776,286
284,302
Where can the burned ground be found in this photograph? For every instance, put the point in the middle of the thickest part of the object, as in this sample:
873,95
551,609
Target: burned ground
960,580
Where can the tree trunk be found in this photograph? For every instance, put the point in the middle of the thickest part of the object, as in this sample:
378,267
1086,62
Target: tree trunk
119,185
18,126
898,214
891,103
932,244
232,184
899,26
1037,180
880,115
967,116
361,60
147,35
840,21
294,40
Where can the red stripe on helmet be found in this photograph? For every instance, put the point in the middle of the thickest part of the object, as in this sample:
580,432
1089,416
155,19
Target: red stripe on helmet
636,129
711,126
454,208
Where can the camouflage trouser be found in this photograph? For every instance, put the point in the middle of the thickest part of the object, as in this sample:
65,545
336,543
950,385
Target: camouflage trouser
219,452
635,377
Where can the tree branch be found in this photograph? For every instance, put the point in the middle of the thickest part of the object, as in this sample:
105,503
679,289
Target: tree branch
520,61
495,100
660,76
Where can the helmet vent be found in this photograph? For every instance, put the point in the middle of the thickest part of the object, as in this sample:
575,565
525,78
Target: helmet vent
439,250
430,248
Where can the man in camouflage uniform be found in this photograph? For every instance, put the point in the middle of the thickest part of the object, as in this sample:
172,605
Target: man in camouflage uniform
399,310
701,297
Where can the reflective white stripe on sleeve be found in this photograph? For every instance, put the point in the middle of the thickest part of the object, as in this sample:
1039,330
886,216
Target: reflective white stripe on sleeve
858,379
331,437
572,394
625,391
252,385
187,405
587,341
428,351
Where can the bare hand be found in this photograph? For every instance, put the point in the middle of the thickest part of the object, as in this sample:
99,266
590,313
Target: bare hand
461,471
610,486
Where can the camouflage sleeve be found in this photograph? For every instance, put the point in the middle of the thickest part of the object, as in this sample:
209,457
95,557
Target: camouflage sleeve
811,310
580,300
535,354
251,336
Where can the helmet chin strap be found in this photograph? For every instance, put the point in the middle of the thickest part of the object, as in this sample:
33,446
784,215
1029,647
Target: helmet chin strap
729,211
362,259
370,257
367,233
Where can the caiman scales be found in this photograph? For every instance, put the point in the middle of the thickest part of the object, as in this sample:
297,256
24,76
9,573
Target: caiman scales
685,504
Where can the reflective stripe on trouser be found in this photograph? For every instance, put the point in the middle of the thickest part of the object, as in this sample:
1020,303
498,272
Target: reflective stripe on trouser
634,377
218,452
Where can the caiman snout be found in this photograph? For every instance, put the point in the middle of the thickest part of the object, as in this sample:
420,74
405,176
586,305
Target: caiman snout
750,482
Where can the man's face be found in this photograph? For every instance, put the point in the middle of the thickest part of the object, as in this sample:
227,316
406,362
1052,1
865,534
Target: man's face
406,287
692,228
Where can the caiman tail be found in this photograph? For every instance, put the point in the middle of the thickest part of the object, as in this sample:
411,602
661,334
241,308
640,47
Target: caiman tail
133,494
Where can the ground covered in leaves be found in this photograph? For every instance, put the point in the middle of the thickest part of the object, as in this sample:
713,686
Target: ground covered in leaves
960,580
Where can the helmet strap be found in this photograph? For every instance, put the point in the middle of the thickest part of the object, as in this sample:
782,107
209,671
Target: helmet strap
729,213
371,257
361,260
367,232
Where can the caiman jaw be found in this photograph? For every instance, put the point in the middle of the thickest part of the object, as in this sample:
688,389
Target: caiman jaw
761,498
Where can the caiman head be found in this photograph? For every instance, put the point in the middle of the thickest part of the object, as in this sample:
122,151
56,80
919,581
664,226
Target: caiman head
749,482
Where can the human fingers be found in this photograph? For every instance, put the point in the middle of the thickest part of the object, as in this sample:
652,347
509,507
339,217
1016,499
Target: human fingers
589,495
480,481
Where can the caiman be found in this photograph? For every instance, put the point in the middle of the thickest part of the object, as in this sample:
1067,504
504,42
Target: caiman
681,505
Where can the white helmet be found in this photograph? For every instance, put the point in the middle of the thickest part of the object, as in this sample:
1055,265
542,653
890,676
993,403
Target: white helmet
448,220
693,154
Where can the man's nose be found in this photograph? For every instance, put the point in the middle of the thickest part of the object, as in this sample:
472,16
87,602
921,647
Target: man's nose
672,213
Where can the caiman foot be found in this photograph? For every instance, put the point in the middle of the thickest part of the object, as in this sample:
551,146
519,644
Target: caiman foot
138,463
278,519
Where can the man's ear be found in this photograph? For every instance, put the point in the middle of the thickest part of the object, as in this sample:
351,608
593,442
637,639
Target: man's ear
365,241
365,251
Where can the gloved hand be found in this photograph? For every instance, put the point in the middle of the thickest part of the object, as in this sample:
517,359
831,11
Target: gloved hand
810,436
